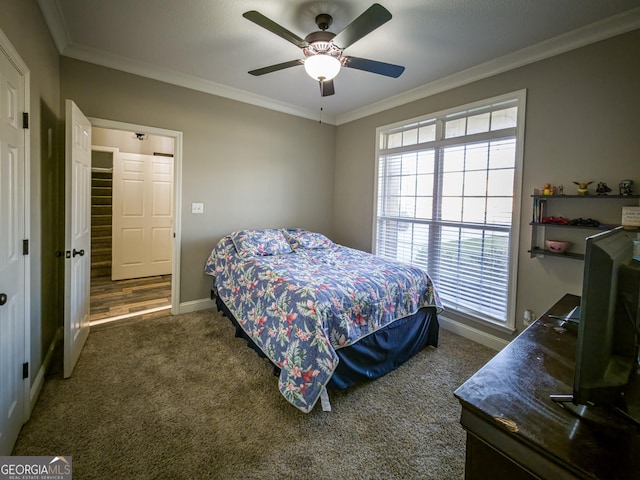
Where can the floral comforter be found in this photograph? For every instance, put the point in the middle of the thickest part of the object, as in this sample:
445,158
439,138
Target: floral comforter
301,301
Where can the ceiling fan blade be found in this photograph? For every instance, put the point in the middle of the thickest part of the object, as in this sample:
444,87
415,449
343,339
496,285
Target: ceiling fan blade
326,88
366,23
274,68
273,27
373,66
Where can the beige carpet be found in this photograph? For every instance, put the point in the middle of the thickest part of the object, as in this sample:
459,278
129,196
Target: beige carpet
182,398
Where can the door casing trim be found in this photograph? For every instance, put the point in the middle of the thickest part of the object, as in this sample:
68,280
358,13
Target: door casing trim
177,192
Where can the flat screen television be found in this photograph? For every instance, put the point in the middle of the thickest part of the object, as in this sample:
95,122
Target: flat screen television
607,362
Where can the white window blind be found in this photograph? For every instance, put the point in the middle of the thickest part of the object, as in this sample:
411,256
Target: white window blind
445,196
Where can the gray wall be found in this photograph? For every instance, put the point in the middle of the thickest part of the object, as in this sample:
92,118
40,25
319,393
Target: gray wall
22,22
582,123
251,167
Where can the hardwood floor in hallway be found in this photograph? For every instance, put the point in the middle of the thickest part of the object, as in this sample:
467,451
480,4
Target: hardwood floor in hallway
128,298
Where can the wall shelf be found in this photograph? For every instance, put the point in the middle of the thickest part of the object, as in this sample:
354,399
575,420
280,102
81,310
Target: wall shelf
538,228
603,226
585,197
541,251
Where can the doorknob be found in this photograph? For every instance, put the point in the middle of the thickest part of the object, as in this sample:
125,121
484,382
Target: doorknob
3,298
76,252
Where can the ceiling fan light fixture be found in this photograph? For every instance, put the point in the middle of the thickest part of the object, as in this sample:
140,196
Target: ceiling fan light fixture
322,67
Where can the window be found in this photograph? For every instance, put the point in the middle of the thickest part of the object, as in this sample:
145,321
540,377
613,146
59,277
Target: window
447,186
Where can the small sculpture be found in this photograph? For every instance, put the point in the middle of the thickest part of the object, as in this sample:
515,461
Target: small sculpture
602,189
583,187
625,187
558,220
582,222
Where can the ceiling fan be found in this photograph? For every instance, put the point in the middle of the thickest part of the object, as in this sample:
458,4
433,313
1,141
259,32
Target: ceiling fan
323,49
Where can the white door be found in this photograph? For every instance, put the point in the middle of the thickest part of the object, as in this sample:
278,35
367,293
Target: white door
13,393
77,234
142,233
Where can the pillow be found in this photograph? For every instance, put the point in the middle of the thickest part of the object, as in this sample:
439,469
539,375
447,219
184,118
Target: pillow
301,238
260,242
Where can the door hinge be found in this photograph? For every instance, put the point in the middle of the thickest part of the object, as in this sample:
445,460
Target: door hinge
25,370
25,246
25,119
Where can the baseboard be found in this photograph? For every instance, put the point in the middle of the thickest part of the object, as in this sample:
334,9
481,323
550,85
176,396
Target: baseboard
478,336
195,305
38,382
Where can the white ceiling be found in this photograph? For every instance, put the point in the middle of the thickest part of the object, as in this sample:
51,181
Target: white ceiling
207,44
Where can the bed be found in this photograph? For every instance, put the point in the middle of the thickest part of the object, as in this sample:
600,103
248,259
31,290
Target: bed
325,315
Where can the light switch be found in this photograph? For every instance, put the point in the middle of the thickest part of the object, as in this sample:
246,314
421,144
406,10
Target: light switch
197,208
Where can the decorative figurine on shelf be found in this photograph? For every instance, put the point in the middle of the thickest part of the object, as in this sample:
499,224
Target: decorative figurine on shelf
560,189
582,222
548,189
602,189
583,188
557,220
625,187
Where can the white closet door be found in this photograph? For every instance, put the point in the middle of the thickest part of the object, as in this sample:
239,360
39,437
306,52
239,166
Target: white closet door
142,236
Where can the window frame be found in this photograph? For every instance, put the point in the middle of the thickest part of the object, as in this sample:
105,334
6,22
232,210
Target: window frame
519,97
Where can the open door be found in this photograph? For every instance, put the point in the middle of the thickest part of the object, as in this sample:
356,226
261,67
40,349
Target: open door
77,234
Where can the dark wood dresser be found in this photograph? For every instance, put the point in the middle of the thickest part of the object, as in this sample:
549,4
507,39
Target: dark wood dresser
514,430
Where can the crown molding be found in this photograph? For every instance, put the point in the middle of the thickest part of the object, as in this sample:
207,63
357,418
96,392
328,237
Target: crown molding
54,19
127,65
52,13
609,27
595,32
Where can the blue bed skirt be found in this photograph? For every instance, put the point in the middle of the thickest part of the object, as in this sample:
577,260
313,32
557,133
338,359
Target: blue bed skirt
376,354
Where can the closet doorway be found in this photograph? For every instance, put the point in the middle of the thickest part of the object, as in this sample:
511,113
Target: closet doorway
132,225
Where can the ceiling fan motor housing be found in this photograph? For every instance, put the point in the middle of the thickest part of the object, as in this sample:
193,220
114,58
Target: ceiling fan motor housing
321,42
